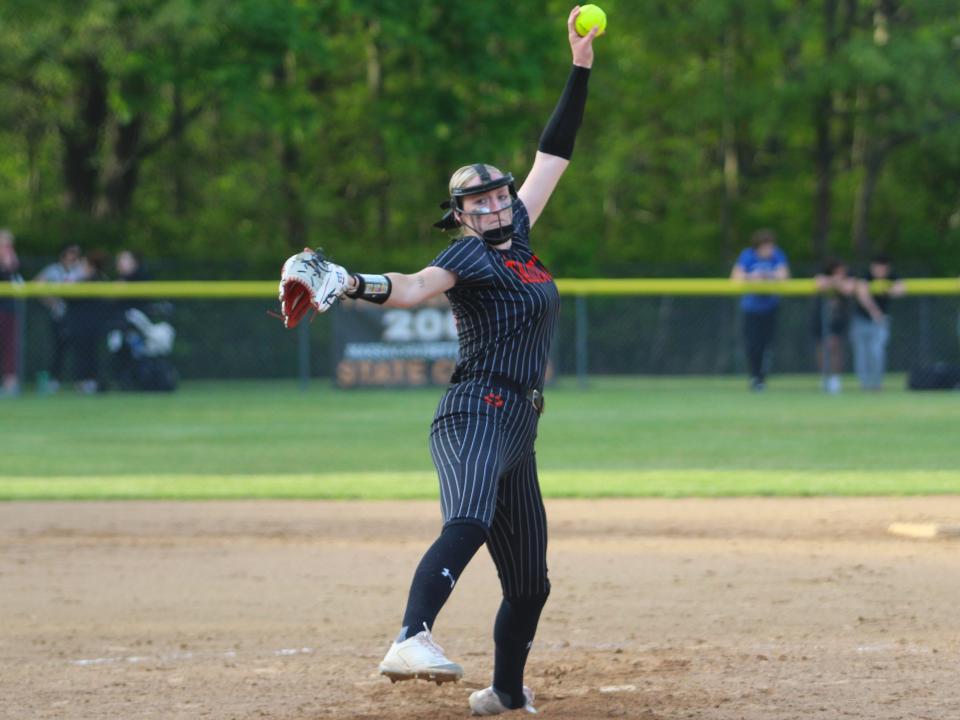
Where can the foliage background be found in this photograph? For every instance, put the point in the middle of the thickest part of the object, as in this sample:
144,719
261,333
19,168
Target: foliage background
236,131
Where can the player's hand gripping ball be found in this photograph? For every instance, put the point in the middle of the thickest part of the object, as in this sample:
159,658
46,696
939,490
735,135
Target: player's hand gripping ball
309,280
591,16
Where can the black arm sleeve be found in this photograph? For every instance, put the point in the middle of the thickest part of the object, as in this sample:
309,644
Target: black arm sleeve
561,131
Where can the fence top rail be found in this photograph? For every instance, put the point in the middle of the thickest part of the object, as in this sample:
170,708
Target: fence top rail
224,289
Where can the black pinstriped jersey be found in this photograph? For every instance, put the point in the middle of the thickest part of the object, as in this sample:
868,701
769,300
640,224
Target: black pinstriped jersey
505,304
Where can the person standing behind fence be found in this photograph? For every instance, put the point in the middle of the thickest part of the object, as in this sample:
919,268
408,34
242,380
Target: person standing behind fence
762,261
830,321
87,319
129,269
9,330
871,321
67,269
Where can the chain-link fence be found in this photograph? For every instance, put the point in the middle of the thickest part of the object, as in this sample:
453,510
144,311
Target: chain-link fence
95,343
679,335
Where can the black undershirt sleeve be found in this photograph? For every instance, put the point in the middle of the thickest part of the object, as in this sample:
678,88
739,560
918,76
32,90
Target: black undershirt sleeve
561,131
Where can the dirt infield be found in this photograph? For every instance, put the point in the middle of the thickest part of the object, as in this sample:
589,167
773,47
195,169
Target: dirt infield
756,609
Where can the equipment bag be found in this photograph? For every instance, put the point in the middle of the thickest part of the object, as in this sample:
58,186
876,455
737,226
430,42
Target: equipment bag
939,376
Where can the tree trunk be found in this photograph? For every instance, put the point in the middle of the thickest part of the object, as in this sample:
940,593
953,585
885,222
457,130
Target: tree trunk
874,159
823,202
731,161
81,141
847,100
295,220
823,157
177,126
34,138
870,149
122,183
375,88
293,216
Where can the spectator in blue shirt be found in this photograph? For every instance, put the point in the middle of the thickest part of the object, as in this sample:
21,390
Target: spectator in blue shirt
762,261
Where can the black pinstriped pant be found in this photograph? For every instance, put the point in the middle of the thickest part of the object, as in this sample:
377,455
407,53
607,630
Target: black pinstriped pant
482,442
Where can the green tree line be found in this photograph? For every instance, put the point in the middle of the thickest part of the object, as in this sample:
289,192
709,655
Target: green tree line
240,130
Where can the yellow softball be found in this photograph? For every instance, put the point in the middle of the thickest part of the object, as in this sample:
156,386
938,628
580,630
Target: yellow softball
589,17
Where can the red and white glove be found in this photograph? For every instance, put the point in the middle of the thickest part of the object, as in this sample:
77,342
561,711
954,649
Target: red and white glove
309,280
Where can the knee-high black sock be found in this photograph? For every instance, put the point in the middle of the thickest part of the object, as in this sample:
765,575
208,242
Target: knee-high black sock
513,635
438,572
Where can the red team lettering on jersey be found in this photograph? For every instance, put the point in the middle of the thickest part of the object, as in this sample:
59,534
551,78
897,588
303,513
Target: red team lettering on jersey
532,271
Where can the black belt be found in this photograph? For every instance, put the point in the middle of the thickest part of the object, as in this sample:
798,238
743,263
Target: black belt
534,395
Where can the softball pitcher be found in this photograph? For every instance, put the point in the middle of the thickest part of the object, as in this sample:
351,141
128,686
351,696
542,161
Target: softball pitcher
482,437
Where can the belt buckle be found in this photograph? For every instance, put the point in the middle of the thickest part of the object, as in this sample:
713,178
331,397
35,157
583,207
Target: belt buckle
536,397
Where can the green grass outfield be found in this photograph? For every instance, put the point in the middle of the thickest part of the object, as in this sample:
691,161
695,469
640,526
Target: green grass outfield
620,437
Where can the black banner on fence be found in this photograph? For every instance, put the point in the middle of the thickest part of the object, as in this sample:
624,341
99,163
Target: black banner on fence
394,347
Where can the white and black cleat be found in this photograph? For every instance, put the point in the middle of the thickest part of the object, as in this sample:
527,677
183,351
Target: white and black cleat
419,658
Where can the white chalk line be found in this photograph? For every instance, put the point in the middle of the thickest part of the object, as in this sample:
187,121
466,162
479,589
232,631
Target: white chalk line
177,657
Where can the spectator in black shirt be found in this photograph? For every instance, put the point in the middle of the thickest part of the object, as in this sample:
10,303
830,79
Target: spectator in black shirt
87,318
830,320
